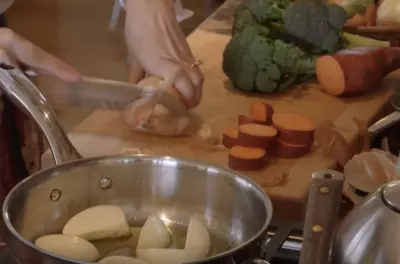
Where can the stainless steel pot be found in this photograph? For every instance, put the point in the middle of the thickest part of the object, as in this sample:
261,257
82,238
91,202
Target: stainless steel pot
234,208
370,233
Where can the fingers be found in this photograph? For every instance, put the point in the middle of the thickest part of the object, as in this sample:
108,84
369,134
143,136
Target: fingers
188,81
136,72
35,57
197,78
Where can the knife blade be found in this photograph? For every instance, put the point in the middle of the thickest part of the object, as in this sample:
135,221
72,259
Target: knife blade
108,94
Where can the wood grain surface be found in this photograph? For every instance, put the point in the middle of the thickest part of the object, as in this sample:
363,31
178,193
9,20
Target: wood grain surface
285,180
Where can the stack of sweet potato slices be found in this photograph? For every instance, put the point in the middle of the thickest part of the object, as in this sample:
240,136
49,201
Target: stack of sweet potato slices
263,133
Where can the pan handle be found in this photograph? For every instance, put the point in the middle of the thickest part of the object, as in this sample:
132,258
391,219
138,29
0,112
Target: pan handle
384,123
324,198
24,94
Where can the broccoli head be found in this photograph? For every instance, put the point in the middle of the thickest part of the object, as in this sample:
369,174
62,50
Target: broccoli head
256,62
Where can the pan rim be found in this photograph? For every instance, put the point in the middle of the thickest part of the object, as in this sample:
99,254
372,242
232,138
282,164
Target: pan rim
75,163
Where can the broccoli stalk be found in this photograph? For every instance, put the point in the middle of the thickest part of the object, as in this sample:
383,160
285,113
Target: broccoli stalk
354,41
353,7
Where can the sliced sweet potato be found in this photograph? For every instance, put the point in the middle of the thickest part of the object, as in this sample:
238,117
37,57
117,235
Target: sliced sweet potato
256,135
357,70
247,159
262,112
294,129
286,150
245,119
230,136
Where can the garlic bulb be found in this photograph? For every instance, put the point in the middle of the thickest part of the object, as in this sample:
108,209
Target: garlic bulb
369,170
388,13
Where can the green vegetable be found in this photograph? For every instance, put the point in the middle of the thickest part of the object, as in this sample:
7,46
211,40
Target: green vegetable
256,62
275,43
319,23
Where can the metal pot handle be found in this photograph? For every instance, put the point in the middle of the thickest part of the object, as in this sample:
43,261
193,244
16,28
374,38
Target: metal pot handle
24,94
324,198
384,123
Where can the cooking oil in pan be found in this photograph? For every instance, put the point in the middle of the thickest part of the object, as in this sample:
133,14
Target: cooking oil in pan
127,245
178,239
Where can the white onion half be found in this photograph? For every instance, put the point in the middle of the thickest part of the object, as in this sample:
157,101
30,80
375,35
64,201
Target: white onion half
154,234
74,248
98,222
197,247
120,260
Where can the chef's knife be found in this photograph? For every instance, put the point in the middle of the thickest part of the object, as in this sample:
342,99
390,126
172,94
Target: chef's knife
100,93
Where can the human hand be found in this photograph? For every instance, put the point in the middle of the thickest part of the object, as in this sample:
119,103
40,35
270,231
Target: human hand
15,48
157,45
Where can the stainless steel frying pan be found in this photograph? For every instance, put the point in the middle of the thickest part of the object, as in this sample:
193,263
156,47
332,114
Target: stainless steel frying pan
235,209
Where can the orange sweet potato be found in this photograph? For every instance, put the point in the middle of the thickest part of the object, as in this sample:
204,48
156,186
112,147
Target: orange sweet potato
247,159
357,70
294,129
261,111
285,150
229,137
256,135
244,119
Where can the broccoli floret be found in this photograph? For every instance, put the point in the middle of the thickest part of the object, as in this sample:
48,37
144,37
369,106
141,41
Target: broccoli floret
256,62
242,18
267,10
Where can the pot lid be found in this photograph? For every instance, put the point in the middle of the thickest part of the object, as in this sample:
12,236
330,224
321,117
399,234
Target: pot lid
391,195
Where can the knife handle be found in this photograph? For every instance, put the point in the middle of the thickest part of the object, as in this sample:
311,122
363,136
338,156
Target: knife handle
324,199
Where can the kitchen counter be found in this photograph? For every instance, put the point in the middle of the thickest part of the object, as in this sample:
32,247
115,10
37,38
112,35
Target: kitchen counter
285,180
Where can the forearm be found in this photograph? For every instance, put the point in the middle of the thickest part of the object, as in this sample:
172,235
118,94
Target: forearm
143,8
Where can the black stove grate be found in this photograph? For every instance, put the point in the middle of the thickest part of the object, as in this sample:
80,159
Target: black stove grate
284,242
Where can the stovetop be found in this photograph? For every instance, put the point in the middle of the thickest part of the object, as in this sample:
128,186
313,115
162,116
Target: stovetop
283,243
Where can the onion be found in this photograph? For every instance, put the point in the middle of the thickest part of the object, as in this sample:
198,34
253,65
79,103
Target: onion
166,255
197,247
69,247
120,260
154,234
98,222
198,239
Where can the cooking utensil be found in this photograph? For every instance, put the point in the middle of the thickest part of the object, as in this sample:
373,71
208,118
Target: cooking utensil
370,233
321,218
388,120
235,210
109,94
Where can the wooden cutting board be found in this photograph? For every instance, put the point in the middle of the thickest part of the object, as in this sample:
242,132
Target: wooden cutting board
285,180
